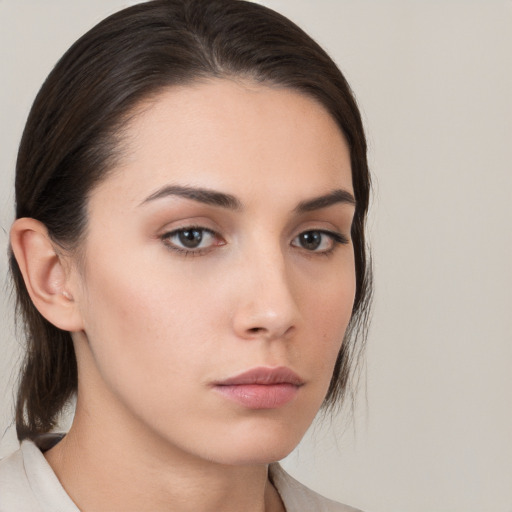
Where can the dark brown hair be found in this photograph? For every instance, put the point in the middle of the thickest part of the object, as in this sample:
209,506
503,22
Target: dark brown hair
74,130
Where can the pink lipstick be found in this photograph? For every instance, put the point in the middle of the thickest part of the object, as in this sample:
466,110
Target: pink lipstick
261,388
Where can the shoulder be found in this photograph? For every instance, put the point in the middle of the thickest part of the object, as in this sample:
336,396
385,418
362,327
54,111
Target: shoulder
15,492
28,483
298,498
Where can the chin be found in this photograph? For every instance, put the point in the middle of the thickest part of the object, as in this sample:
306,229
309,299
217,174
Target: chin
260,444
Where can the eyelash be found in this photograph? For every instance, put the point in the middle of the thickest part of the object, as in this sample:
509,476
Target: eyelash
336,239
184,251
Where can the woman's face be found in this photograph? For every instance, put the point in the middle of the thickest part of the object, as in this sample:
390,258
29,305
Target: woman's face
220,245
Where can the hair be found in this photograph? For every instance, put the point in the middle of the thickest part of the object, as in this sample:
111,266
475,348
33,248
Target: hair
74,132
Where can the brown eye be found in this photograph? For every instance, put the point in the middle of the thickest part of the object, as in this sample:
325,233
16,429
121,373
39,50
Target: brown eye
310,240
191,240
319,241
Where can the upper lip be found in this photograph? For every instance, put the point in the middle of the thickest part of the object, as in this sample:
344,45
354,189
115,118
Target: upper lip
263,376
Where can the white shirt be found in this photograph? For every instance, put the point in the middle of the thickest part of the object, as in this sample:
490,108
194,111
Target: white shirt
28,484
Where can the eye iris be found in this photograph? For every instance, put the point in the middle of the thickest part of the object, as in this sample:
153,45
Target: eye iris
311,240
190,238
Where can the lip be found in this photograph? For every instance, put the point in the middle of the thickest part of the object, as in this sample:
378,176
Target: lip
261,388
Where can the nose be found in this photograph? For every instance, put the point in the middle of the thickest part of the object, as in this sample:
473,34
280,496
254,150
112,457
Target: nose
266,303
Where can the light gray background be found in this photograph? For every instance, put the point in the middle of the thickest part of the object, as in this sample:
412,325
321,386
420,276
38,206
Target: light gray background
434,82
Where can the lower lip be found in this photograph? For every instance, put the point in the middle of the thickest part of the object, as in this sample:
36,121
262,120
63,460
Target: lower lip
260,396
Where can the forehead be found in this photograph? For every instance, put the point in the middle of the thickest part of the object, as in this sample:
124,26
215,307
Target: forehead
237,136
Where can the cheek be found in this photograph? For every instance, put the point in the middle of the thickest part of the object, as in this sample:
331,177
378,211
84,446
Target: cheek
139,322
149,344
328,313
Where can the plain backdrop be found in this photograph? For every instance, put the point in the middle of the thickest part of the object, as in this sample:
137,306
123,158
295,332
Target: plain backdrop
433,425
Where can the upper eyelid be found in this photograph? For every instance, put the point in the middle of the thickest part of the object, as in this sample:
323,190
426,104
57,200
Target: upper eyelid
188,227
321,227
168,229
337,236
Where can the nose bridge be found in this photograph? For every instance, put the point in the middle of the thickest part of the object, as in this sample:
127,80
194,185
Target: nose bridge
267,305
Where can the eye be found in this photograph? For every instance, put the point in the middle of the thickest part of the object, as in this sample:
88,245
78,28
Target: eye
319,241
191,239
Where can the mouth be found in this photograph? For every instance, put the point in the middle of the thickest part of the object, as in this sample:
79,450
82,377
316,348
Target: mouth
261,388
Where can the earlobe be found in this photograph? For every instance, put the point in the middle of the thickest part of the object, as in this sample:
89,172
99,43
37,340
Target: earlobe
44,274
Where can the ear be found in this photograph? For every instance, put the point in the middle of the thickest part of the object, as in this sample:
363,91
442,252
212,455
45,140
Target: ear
45,274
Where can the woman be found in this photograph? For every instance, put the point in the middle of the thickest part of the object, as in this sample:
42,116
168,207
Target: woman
189,260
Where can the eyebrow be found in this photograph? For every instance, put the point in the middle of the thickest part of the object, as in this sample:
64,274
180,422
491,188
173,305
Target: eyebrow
230,202
201,195
324,201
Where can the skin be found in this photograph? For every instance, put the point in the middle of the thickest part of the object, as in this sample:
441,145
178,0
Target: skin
155,327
